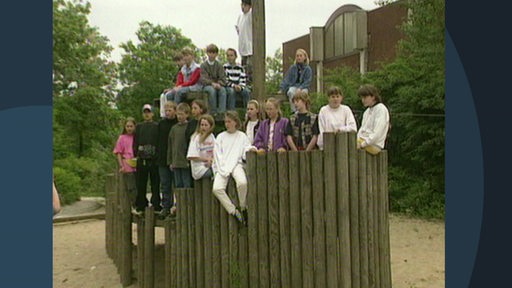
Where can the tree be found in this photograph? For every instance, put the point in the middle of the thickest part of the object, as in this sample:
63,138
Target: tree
85,125
413,87
274,72
147,68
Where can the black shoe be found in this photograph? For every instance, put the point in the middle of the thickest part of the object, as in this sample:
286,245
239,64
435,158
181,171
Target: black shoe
157,208
164,213
246,217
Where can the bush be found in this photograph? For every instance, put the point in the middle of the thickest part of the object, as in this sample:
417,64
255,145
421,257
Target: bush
68,184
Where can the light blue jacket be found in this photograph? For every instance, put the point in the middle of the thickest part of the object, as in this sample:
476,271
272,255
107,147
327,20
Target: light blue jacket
290,79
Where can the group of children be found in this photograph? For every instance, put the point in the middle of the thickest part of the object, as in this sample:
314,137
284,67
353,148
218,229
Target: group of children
182,146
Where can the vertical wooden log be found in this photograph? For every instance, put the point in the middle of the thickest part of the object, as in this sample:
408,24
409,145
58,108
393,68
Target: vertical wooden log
224,246
174,255
385,252
273,220
354,210
179,240
190,195
207,217
168,250
116,224
330,209
243,257
376,230
185,241
109,213
263,243
284,219
149,248
252,210
319,252
295,224
363,219
216,264
126,233
258,28
140,251
198,197
307,219
343,209
233,268
371,228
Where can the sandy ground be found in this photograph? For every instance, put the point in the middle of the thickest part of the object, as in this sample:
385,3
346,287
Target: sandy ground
80,259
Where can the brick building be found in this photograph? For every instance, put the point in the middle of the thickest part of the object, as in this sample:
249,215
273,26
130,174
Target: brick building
351,37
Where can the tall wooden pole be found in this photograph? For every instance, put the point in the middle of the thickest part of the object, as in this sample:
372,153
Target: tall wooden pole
258,50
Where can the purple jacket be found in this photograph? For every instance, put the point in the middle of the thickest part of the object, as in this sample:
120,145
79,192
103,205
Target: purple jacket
261,138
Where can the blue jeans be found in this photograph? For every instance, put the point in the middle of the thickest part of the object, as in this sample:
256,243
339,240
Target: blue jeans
182,178
232,95
212,99
166,180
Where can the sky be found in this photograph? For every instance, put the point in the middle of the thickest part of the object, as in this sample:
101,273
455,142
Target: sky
211,21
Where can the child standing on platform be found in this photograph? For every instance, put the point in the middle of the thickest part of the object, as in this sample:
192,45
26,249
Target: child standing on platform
145,149
252,119
302,130
335,117
125,158
271,133
229,153
166,175
177,148
200,149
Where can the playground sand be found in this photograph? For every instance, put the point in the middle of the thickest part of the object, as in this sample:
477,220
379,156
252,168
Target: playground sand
80,259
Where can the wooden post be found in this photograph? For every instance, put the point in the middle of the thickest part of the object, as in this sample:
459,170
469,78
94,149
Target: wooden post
199,220
140,251
167,253
330,209
109,213
273,220
284,219
225,246
174,255
343,211
252,210
190,199
258,48
149,248
126,232
295,209
207,220
385,252
263,220
306,219
233,267
216,264
354,210
318,218
363,219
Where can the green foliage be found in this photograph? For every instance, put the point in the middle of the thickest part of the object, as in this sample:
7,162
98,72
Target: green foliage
68,184
147,68
274,72
84,122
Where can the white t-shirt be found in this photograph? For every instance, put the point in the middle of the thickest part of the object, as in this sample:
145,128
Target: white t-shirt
250,130
332,120
203,150
230,149
375,125
244,28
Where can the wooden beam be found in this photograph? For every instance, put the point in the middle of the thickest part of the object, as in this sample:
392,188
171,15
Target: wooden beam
258,50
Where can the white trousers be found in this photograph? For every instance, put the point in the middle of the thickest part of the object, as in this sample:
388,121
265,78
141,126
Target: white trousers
219,189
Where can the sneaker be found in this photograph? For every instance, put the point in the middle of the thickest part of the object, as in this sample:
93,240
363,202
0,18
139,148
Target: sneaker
164,213
137,212
173,211
239,217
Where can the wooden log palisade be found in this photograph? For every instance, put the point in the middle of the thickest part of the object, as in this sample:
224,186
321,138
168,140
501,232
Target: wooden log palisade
315,219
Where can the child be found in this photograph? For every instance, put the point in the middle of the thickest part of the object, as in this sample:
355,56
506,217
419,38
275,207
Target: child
244,30
302,130
229,153
200,149
375,124
198,109
298,77
177,148
145,149
335,117
213,79
252,119
166,175
188,77
271,133
125,157
235,77
178,60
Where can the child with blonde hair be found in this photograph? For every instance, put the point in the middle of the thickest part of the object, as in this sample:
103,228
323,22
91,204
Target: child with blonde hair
125,157
302,130
271,133
229,153
200,149
298,77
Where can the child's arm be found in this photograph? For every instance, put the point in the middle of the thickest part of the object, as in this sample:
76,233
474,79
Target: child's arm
120,162
206,78
56,200
193,78
350,125
291,144
314,140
